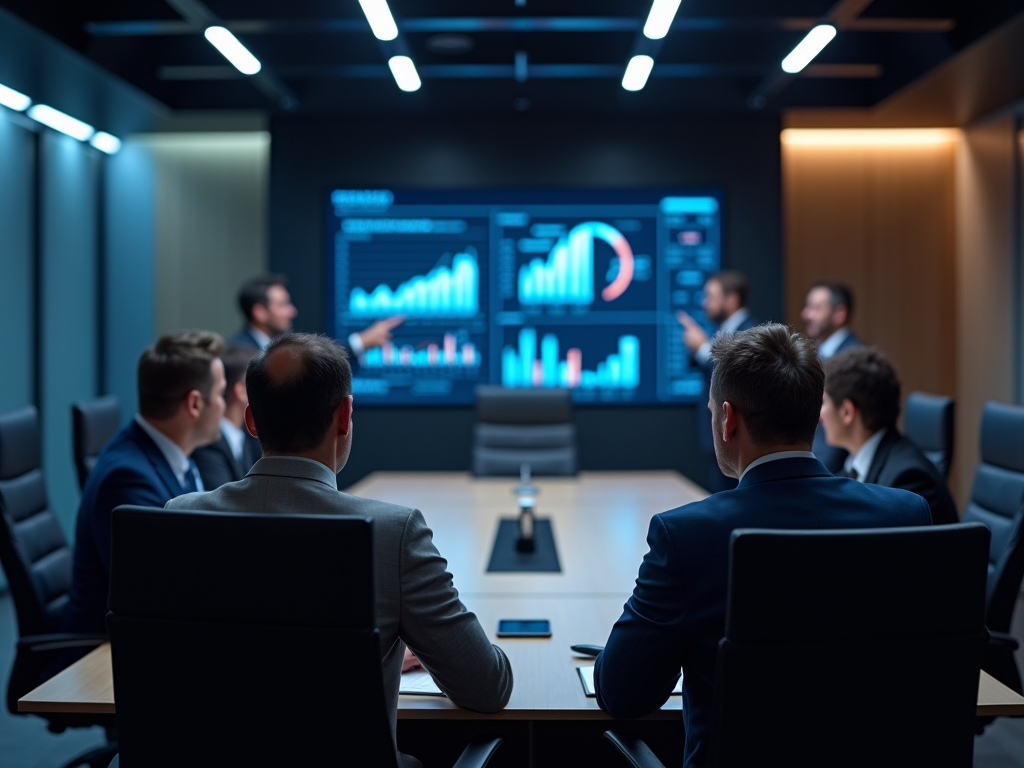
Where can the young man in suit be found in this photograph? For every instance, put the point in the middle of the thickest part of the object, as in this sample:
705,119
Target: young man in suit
228,459
765,397
181,401
725,304
826,315
859,412
300,407
269,312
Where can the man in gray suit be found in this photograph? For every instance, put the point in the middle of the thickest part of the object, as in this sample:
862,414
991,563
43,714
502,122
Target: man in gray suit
300,407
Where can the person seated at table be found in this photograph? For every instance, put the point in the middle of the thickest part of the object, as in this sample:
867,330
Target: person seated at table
300,408
859,412
765,396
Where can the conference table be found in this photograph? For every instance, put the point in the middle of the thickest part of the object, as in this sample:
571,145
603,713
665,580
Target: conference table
599,521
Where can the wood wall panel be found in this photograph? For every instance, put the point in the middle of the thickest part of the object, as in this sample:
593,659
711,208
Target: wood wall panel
883,220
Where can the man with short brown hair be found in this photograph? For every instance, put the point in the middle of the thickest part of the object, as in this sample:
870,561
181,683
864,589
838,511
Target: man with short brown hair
181,401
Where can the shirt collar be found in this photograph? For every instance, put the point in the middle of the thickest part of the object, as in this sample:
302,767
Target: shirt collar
176,458
733,321
865,457
828,347
261,338
295,466
777,456
235,437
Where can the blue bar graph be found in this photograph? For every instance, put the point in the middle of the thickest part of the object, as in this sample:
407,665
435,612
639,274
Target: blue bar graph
443,292
523,368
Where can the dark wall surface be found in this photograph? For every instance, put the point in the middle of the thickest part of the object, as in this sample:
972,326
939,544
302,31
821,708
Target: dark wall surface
310,156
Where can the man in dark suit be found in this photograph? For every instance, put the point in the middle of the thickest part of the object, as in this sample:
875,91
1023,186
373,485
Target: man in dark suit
725,304
765,397
228,459
859,412
181,401
826,317
269,312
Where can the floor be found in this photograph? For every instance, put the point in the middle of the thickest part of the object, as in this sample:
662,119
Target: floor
25,742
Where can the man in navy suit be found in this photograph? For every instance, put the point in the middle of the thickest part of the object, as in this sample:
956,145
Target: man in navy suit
269,312
765,398
826,315
181,401
725,304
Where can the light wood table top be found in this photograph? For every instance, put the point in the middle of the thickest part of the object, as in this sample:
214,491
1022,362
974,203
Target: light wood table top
600,523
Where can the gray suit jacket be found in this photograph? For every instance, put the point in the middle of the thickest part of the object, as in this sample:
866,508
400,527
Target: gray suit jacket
417,604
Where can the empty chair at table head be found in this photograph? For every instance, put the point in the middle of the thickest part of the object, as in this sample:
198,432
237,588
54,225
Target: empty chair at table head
94,423
524,426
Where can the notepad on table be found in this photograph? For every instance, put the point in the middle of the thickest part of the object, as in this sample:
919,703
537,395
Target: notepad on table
419,683
587,678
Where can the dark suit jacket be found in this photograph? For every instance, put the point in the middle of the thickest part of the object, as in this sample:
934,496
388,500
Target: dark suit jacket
218,465
676,615
130,470
898,463
830,455
243,338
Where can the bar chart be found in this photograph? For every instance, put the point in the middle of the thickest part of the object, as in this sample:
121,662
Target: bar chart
531,365
447,354
446,291
566,276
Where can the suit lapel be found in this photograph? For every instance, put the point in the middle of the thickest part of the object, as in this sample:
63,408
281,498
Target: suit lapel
224,447
156,458
881,455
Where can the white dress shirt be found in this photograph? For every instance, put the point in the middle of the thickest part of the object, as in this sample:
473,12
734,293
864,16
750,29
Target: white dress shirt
176,458
777,456
261,338
828,347
732,322
861,461
235,437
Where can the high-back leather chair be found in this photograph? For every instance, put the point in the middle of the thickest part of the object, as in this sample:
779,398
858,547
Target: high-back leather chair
928,421
230,649
996,501
37,561
850,648
523,426
94,423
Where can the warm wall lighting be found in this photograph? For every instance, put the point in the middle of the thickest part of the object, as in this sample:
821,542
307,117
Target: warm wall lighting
13,99
57,120
106,142
232,50
382,23
868,137
405,73
808,48
637,72
659,20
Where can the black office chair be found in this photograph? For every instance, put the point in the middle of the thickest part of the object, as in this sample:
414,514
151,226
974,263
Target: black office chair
849,648
94,423
37,561
523,426
230,649
996,501
928,422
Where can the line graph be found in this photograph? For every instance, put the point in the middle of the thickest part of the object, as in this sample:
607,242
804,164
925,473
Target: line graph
445,291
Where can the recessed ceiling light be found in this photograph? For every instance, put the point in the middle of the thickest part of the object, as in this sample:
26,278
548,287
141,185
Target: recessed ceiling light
382,23
808,48
57,120
405,73
232,50
13,99
637,72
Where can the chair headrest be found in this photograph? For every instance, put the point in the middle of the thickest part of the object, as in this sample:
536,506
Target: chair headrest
1002,435
96,421
927,419
499,405
19,442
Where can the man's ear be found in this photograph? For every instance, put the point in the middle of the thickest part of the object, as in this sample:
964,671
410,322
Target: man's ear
729,423
848,412
259,314
250,422
840,316
344,413
238,392
194,403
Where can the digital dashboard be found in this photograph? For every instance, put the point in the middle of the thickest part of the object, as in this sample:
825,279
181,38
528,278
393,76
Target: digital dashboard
568,288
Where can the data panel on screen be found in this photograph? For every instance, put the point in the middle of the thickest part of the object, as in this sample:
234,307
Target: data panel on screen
577,290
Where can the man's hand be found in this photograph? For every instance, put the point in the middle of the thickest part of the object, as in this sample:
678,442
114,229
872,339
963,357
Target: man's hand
410,662
380,332
693,335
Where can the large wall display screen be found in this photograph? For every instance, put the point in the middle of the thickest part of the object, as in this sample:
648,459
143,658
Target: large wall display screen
576,289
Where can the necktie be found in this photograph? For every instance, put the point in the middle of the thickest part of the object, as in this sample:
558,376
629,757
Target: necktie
853,473
192,481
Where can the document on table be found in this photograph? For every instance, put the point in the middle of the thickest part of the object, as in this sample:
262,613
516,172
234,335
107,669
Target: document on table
587,678
419,683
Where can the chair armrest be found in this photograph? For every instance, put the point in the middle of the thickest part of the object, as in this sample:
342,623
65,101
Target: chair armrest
1003,640
59,640
636,752
478,753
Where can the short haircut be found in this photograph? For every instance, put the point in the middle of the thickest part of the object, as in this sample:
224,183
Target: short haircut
865,376
774,380
840,294
173,367
733,282
257,291
293,414
236,360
